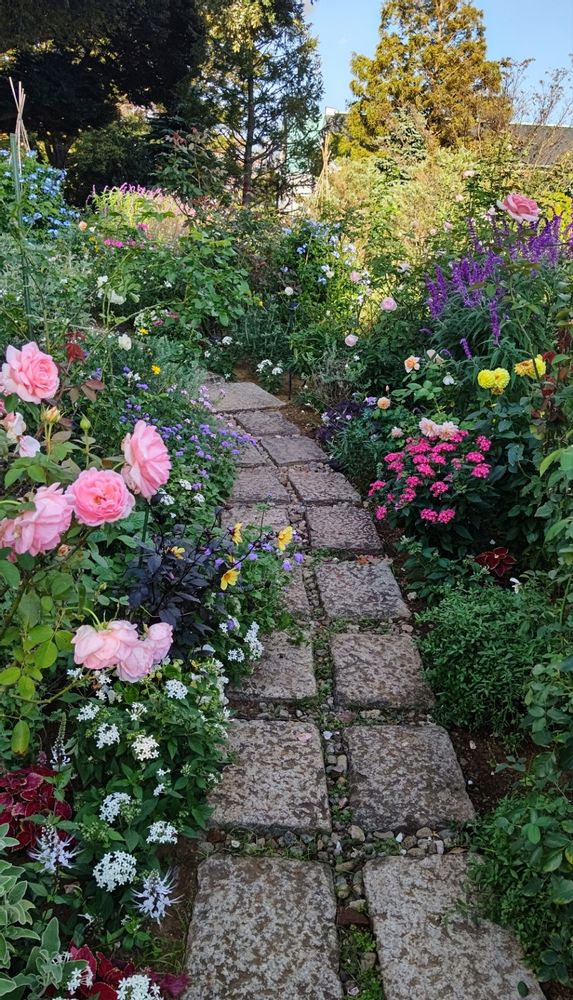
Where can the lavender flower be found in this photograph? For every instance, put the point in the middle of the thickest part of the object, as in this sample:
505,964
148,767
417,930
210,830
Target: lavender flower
52,851
156,896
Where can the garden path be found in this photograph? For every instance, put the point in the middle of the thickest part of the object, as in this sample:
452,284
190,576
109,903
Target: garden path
335,808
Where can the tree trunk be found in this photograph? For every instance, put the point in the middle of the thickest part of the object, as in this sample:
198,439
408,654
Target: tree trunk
249,142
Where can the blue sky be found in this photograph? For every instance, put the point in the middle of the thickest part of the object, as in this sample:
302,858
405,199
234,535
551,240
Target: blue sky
520,29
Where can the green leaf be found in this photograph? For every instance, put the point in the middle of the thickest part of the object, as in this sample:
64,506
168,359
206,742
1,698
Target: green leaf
46,655
39,634
20,737
26,688
9,676
30,610
548,460
10,573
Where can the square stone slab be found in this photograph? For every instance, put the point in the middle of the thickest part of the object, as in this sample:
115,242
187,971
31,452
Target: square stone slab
276,781
251,456
293,450
295,596
320,486
359,591
405,777
232,396
250,515
342,527
263,929
266,422
284,672
425,948
374,671
256,485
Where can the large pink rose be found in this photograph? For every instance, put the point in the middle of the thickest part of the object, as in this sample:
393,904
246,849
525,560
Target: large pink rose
99,497
520,208
159,639
39,530
147,460
30,373
96,649
137,664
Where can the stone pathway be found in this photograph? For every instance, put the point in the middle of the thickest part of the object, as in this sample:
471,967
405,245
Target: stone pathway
339,802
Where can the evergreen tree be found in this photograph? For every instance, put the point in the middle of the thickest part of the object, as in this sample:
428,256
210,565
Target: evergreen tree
259,89
431,59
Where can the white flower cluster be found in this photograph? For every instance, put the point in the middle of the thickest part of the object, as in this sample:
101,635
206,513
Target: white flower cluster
236,654
115,868
165,498
111,806
175,689
145,748
226,341
106,735
253,642
88,712
185,484
79,977
138,988
162,833
137,710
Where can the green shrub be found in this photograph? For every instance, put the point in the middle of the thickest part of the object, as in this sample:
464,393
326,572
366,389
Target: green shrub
479,652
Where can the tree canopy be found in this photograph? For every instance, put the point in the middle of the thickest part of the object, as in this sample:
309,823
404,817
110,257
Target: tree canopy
431,59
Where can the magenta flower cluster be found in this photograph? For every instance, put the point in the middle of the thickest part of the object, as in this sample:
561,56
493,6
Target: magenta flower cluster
426,475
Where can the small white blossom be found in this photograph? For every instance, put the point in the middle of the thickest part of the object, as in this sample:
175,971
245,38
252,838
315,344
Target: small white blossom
79,977
162,833
166,498
88,712
236,654
159,789
115,868
226,341
111,806
175,689
124,342
137,710
199,498
51,851
145,748
106,735
185,484
116,299
138,988
156,896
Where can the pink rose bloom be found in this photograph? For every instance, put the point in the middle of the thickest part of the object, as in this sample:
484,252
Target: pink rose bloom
355,277
96,649
14,425
30,373
351,340
99,497
448,431
520,208
159,639
39,530
147,460
388,304
28,446
412,364
429,427
396,432
137,664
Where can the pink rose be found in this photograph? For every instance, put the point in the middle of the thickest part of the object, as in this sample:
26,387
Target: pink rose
388,304
137,664
14,425
159,639
39,530
147,461
520,208
28,446
95,649
99,497
30,373
351,340
355,277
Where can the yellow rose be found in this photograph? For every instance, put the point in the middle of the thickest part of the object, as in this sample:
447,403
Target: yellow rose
284,538
532,367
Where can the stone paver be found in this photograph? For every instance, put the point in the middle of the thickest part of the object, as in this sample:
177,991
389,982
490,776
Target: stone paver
344,528
293,450
359,590
427,950
277,780
284,672
263,929
374,671
405,777
295,596
256,485
251,456
320,486
233,396
266,422
274,518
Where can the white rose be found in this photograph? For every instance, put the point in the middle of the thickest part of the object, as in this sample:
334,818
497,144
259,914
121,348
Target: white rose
124,342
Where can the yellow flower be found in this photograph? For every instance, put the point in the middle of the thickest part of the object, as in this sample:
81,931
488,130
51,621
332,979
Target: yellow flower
229,578
178,551
532,367
496,380
237,536
155,369
284,538
143,329
383,403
